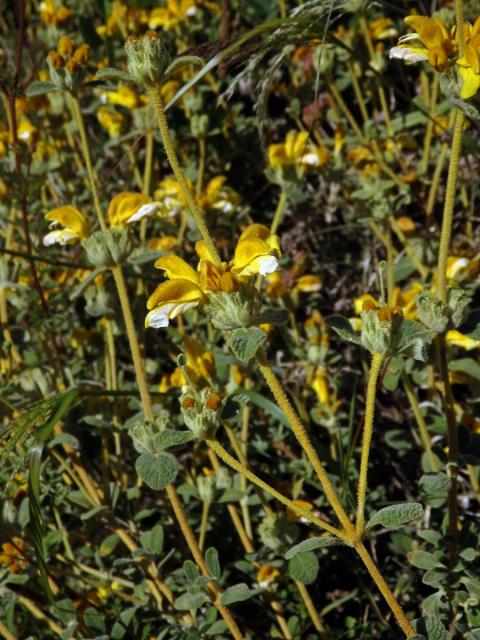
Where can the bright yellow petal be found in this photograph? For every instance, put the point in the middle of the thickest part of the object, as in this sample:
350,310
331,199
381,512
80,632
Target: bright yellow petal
457,339
126,207
177,269
175,291
470,82
70,218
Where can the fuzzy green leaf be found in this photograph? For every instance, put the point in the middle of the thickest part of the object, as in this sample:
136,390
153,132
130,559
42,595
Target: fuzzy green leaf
396,514
213,563
157,470
343,328
312,543
237,593
432,628
170,438
304,567
39,87
424,560
245,342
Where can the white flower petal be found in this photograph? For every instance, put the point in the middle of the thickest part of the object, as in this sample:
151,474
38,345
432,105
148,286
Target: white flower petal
267,264
181,308
410,56
59,236
191,11
143,211
158,318
311,159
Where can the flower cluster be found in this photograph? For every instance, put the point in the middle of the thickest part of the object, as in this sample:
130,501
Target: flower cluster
256,253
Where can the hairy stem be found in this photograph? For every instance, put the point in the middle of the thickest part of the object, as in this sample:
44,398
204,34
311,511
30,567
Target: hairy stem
367,439
180,175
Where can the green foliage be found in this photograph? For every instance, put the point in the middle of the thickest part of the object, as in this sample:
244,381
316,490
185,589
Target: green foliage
395,515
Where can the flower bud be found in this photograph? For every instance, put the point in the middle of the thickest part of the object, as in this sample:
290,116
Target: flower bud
81,54
66,46
202,413
72,66
147,58
56,60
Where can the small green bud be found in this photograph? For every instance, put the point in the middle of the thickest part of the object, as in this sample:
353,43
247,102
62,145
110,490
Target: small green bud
199,125
323,58
206,488
432,312
202,413
276,532
147,58
108,248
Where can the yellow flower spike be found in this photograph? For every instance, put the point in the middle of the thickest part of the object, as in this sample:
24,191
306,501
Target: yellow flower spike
170,299
456,266
75,226
172,15
127,207
218,196
382,29
457,339
266,575
256,252
169,196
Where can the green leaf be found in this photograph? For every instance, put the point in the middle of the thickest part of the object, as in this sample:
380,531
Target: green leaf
466,365
108,545
273,316
395,515
110,73
245,342
424,560
140,257
39,87
414,340
393,372
190,601
304,567
343,328
157,470
153,540
435,577
213,563
434,488
170,438
81,286
312,543
468,109
432,628
267,405
192,572
237,593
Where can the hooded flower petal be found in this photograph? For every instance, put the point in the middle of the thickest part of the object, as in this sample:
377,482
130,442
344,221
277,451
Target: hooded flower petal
75,225
177,269
170,299
256,252
127,207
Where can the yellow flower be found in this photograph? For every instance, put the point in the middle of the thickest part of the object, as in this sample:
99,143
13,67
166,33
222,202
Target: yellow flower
127,207
469,63
50,15
256,252
457,339
382,29
432,41
308,283
74,225
266,575
218,196
12,555
110,120
186,288
297,151
170,16
456,267
169,196
26,131
166,243
123,96
176,295
292,516
320,386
